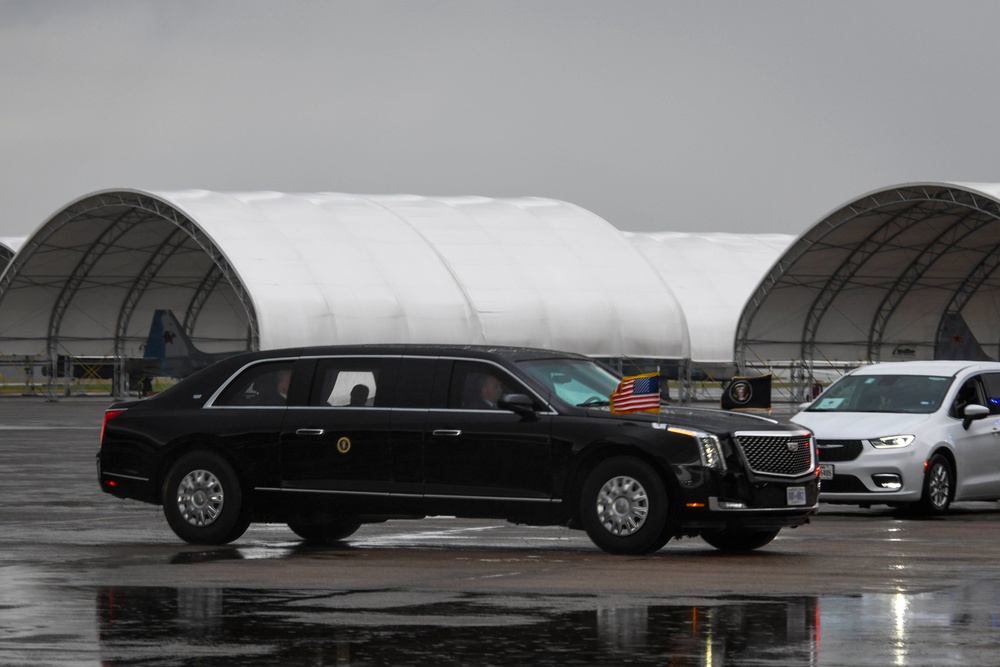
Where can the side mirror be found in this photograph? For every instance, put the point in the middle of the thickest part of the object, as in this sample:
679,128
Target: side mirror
517,403
972,413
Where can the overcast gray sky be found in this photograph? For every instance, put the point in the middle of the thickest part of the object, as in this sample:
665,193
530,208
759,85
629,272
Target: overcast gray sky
656,115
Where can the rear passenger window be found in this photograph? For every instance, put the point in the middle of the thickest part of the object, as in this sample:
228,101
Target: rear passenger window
264,384
349,382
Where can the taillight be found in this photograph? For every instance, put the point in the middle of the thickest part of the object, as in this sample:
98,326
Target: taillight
108,416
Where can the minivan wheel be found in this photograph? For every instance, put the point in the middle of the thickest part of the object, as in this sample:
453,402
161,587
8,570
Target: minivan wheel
739,539
324,531
624,506
939,486
203,501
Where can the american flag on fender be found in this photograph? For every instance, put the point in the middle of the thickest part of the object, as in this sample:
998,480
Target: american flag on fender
638,393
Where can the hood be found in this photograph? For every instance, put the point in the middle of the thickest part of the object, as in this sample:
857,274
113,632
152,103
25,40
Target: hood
858,425
705,419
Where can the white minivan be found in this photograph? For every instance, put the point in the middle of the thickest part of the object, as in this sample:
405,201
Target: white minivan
921,433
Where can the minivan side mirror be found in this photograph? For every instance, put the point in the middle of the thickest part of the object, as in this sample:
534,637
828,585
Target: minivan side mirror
973,412
518,403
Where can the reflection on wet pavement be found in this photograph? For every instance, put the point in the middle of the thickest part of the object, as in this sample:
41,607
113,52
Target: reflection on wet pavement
240,626
364,628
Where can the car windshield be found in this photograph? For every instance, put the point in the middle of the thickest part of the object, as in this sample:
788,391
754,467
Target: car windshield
884,393
576,381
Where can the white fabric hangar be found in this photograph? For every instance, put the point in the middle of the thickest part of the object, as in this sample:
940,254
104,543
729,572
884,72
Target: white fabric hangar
905,272
264,270
711,275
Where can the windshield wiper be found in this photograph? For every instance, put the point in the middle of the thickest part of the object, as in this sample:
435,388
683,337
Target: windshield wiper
594,402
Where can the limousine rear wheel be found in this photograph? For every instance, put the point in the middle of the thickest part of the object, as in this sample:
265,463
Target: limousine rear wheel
324,531
203,501
624,506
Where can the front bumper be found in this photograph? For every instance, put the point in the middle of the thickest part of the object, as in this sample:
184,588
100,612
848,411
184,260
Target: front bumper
857,481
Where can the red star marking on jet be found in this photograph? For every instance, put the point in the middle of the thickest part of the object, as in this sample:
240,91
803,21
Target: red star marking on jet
168,336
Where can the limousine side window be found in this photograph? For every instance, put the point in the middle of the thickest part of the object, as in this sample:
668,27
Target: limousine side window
476,386
351,382
421,383
264,384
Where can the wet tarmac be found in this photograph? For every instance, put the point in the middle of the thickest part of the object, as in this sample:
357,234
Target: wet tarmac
86,579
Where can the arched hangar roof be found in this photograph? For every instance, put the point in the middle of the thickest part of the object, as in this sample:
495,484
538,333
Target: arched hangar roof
905,272
268,269
8,246
712,275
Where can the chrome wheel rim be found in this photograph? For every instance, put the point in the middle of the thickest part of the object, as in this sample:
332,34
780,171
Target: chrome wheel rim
939,486
200,498
622,506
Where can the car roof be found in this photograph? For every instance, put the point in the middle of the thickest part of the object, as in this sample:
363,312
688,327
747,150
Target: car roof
496,352
937,367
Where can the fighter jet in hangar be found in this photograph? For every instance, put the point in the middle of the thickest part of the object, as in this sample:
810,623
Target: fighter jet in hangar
170,352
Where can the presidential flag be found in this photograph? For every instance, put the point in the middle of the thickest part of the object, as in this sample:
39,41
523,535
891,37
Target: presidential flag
638,393
748,393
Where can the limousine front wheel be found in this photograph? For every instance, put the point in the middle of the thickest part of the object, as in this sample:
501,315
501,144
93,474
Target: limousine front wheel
623,506
203,501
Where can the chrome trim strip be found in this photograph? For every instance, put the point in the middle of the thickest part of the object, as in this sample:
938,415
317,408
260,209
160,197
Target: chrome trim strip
519,500
118,474
387,494
337,492
713,504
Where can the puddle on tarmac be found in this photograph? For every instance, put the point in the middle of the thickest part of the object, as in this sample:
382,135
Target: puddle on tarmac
159,626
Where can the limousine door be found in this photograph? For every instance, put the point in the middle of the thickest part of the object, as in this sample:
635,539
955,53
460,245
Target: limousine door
477,451
338,443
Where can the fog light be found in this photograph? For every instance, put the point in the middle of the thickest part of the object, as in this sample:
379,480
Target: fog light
730,505
888,481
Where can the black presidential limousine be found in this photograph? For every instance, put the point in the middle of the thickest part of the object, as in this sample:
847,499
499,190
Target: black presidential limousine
326,439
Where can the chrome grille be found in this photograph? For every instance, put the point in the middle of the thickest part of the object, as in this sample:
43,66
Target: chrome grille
777,453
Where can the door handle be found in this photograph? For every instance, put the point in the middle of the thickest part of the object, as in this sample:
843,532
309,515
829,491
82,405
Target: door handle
452,432
309,431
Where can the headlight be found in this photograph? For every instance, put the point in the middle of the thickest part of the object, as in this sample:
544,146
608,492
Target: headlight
892,441
708,447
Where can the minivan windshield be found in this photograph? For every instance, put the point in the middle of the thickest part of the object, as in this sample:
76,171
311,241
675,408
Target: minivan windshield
918,394
575,381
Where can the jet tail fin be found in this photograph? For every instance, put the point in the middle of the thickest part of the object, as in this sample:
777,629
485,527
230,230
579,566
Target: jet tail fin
955,340
172,347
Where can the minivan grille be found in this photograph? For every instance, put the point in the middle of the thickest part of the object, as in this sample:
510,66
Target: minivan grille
839,450
777,454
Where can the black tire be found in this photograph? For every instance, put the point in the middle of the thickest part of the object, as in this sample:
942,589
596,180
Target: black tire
739,539
624,506
939,486
324,531
203,500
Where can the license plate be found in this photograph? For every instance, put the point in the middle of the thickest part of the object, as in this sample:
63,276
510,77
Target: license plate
796,495
825,472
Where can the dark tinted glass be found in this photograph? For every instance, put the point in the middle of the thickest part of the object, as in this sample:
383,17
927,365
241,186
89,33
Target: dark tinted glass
478,386
263,384
421,383
992,385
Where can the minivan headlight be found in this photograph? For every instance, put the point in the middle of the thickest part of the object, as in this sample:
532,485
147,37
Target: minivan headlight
708,447
891,441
